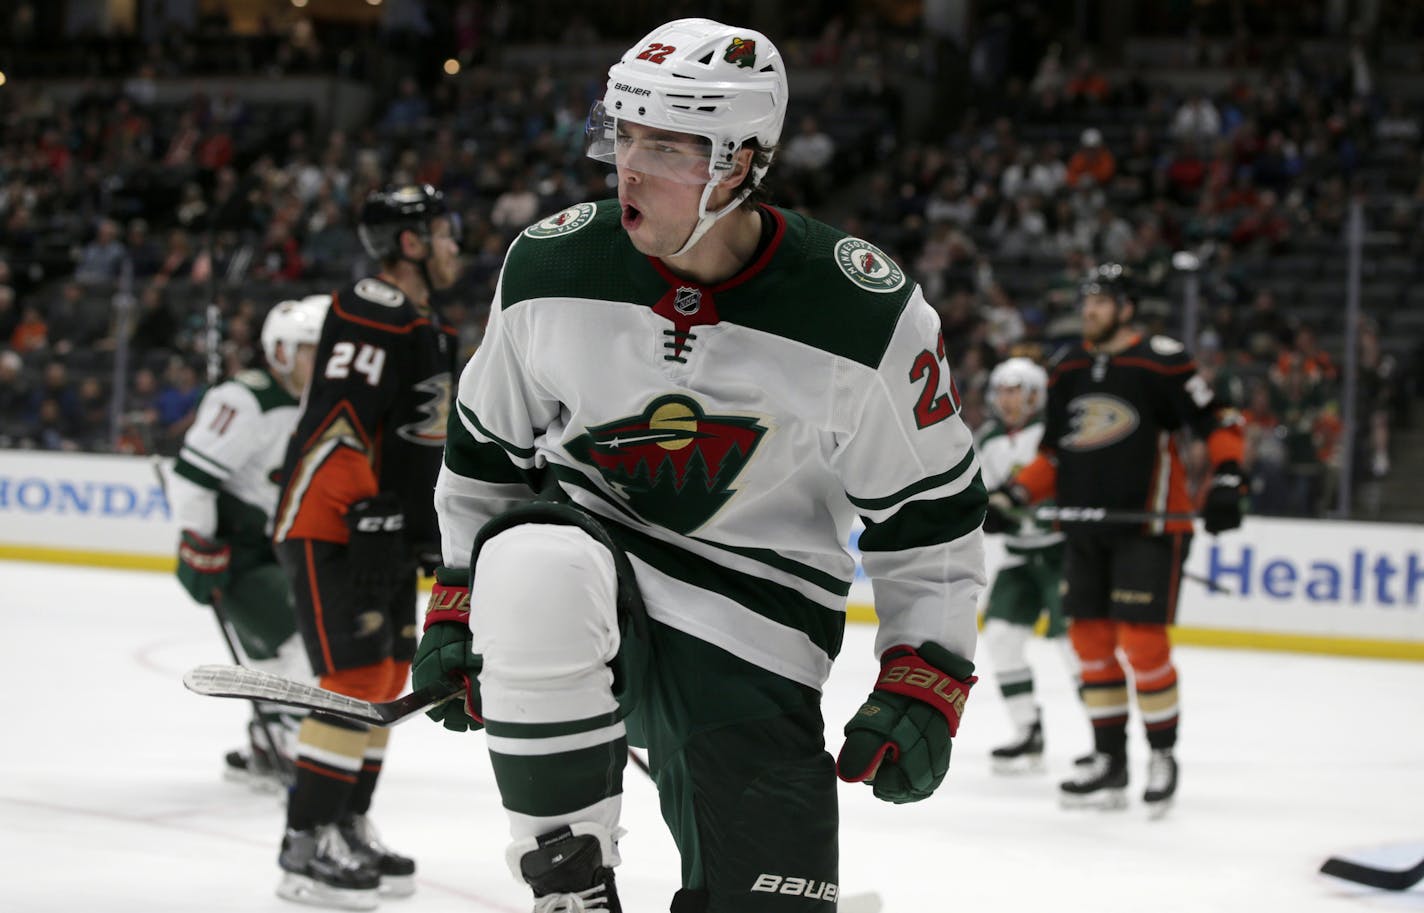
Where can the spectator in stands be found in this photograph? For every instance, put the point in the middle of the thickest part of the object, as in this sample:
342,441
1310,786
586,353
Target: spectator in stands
515,207
1092,165
155,326
1299,405
9,314
92,432
807,158
31,333
101,259
1264,328
1315,361
142,252
55,387
1265,453
1087,85
51,430
408,110
175,403
1197,120
15,398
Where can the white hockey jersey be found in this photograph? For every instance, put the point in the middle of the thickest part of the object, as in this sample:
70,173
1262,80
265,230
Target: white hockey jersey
1002,453
223,484
729,434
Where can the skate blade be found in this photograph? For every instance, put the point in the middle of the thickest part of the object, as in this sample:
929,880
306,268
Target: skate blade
1104,800
1159,809
301,889
1023,766
397,885
258,783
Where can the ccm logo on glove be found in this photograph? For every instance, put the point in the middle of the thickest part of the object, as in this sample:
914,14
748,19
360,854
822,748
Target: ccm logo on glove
390,524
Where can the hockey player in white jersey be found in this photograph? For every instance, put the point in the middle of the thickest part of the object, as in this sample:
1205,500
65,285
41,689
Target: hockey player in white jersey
1026,586
223,495
684,399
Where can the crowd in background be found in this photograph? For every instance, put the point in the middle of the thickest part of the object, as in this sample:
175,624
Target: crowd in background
122,218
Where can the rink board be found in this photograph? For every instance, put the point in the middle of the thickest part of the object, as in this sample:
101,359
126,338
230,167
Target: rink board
1307,585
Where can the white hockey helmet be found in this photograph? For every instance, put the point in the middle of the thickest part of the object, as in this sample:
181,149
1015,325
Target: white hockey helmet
1023,373
719,82
296,322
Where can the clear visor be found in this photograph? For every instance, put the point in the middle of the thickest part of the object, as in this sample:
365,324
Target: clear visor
682,157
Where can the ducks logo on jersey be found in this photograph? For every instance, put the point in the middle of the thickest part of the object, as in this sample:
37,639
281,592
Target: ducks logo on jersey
673,464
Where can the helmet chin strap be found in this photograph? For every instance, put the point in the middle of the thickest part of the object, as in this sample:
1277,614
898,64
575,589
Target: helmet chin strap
705,219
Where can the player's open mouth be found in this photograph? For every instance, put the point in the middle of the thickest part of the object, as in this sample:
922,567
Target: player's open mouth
632,217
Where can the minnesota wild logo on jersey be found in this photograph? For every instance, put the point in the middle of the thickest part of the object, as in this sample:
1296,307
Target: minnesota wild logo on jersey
673,464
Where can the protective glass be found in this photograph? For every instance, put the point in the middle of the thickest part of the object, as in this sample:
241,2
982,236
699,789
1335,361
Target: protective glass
682,157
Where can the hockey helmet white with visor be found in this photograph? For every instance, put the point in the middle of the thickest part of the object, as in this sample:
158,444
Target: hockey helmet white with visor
699,91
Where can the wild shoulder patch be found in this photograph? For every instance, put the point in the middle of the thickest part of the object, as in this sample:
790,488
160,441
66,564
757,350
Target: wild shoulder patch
867,266
563,223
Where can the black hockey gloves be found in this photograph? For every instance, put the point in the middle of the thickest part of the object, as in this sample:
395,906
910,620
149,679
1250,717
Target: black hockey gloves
1001,515
1222,510
376,552
899,740
444,651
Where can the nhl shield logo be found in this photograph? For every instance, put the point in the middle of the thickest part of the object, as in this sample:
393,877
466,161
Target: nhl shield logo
687,300
867,266
563,223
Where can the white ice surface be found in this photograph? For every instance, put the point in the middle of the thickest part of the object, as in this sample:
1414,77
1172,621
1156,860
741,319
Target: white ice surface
111,799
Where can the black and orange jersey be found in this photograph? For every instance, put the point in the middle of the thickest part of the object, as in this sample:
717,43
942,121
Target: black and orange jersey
373,417
1109,439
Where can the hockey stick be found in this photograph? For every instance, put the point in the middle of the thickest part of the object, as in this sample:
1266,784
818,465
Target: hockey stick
285,770
254,684
1384,879
1049,514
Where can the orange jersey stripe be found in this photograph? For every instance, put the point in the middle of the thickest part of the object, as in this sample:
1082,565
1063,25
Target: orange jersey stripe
317,607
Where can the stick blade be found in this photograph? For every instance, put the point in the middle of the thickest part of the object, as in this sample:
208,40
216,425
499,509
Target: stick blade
254,684
1384,879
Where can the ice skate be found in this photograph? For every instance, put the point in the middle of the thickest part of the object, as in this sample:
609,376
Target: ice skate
397,871
1161,782
1024,756
255,766
567,870
319,869
1102,784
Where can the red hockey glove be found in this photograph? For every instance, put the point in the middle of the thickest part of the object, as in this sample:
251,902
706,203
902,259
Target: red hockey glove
444,651
900,739
204,566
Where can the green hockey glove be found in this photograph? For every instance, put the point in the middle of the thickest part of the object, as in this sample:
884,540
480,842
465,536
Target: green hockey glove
899,741
203,566
444,651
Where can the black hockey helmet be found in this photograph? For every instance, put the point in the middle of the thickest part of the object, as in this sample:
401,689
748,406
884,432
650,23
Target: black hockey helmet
391,210
1111,279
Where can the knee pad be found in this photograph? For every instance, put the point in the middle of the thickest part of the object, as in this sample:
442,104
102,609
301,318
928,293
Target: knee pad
543,602
1095,642
375,682
1148,649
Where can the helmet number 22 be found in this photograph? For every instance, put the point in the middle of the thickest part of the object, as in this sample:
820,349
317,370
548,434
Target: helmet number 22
369,360
656,53
933,407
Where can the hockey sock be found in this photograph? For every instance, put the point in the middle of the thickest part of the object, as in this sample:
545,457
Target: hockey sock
1155,677
375,754
1007,645
329,756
